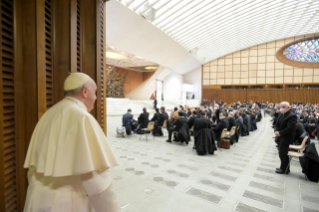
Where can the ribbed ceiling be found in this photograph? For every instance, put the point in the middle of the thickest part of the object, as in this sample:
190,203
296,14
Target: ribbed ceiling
213,28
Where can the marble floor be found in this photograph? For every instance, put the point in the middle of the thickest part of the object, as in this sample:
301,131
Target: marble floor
155,176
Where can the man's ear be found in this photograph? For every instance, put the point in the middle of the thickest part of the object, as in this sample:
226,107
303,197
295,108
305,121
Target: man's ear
84,92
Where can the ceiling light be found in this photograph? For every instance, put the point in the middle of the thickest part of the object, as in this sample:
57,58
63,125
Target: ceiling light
115,56
151,68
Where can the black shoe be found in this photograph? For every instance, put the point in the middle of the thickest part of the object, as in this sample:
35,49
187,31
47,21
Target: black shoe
280,171
186,142
169,141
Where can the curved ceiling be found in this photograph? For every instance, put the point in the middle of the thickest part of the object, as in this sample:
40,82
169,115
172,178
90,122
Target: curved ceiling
213,28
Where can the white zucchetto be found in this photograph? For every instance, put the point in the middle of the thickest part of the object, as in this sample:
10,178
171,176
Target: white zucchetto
75,80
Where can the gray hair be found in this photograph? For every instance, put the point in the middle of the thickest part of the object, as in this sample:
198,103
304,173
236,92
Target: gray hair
78,90
286,103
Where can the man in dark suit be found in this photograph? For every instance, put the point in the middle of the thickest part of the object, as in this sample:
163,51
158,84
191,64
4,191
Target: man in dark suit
178,124
155,120
143,119
202,122
163,116
223,123
191,120
285,132
127,117
231,121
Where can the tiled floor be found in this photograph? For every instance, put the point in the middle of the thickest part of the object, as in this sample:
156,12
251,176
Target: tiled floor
155,176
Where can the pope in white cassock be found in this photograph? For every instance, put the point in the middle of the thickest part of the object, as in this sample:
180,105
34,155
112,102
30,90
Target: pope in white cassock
69,156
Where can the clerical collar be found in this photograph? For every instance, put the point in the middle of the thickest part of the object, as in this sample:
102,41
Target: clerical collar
78,102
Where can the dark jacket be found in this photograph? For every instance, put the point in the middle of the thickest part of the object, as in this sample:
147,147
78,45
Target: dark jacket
299,130
143,120
201,123
126,118
219,128
183,133
231,123
205,142
163,116
179,123
286,125
310,163
191,121
156,117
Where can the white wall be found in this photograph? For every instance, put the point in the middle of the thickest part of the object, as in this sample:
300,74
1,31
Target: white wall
195,78
172,86
133,34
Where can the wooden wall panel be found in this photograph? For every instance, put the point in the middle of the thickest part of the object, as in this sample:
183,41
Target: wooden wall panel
271,95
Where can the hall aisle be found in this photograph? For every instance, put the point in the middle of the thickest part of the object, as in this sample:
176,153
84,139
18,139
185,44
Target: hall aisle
155,176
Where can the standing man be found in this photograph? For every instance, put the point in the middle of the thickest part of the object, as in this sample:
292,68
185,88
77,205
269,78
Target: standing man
285,132
69,157
155,104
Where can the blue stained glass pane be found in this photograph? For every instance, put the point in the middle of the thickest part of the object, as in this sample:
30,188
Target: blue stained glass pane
305,51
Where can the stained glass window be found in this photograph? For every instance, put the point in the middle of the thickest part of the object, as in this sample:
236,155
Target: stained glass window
303,51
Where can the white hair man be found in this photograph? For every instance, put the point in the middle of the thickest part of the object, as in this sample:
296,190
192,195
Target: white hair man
69,157
285,131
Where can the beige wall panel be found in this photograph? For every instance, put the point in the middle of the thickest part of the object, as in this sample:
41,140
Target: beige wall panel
297,79
261,52
288,67
220,75
279,66
220,81
206,65
205,82
213,82
262,46
261,81
244,74
206,69
244,53
316,71
253,53
244,60
298,72
289,40
252,73
289,72
271,45
279,80
229,56
307,79
277,61
213,63
213,68
270,59
316,79
228,68
221,62
253,60
236,74
252,67
228,81
228,61
270,66
279,73
252,80
277,48
261,73
288,79
262,59
213,76
299,37
206,76
244,68
236,67
253,47
244,81
261,67
236,60
271,51
280,43
221,68
236,81
270,74
270,80
236,54
308,72
228,74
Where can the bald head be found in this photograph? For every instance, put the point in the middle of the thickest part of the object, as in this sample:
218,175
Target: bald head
231,114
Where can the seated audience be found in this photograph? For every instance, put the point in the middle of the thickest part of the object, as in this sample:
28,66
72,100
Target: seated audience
127,117
162,118
223,123
191,119
231,120
177,125
143,119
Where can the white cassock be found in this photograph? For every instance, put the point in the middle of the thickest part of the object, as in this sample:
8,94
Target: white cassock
68,160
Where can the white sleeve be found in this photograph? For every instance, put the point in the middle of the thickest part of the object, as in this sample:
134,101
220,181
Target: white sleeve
98,187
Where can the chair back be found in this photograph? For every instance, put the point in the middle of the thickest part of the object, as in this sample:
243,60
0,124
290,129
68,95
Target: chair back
232,131
215,122
164,124
150,126
191,129
223,135
303,143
